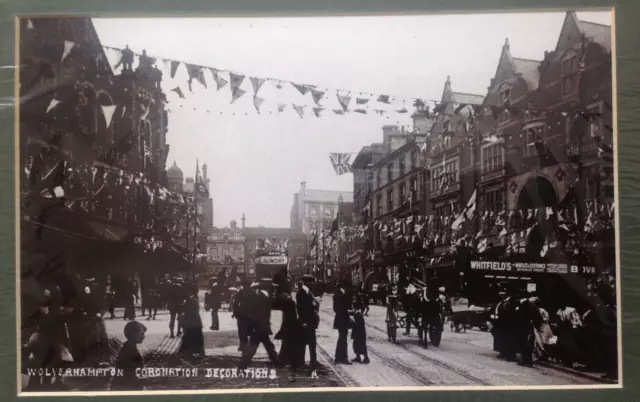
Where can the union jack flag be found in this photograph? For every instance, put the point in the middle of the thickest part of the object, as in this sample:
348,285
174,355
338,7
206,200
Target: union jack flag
341,163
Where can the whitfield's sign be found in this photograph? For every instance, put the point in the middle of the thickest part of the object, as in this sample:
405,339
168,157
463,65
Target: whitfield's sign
531,267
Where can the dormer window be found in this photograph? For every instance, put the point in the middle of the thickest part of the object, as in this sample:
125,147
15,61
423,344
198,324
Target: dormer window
504,97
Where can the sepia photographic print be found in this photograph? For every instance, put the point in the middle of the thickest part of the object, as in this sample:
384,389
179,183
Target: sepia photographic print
403,202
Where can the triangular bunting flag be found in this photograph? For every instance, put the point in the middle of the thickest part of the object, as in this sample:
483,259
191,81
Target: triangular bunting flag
220,82
317,96
256,83
179,92
344,101
174,68
195,72
54,102
338,111
362,101
257,102
281,107
361,111
29,24
317,111
235,81
108,111
68,45
383,99
299,110
302,88
403,110
237,94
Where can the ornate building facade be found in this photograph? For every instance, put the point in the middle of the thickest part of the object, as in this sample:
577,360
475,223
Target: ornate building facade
225,248
315,210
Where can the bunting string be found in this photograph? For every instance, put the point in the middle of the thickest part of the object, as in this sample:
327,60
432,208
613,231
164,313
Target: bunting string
320,94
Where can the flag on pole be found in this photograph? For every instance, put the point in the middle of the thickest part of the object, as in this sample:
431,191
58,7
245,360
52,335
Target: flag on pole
54,102
467,213
340,162
68,45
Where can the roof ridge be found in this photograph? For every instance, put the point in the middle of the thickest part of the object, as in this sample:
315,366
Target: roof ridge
466,93
525,59
594,23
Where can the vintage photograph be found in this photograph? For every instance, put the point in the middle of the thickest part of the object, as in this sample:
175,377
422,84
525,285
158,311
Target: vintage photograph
371,202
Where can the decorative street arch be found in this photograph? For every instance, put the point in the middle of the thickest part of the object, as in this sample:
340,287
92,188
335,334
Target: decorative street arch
542,187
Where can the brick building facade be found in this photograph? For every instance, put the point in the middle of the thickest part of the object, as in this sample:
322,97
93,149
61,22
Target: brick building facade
529,143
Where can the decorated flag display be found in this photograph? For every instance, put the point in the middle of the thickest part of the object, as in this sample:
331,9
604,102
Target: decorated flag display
341,163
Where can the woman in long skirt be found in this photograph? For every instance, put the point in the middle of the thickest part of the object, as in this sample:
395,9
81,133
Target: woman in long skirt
193,339
290,334
543,333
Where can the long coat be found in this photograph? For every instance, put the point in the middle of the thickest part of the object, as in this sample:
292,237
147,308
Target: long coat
259,311
341,306
307,308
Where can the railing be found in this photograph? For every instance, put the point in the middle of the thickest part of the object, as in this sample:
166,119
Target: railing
445,190
493,174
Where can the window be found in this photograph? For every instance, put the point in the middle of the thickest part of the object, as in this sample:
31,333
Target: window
532,134
441,210
445,175
314,210
494,200
379,178
492,158
389,173
390,200
401,170
379,205
596,122
504,97
569,75
403,193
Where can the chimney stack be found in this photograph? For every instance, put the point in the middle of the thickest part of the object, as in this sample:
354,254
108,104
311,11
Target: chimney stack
303,186
243,220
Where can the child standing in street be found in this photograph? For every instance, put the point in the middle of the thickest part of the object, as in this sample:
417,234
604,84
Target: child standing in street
359,336
129,359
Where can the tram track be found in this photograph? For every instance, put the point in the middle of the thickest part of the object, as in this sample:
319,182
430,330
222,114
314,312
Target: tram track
418,352
410,371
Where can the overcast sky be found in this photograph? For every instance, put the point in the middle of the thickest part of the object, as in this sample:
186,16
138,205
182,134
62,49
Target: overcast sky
256,162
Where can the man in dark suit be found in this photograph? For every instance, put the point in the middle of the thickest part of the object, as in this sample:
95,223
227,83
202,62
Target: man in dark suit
259,327
241,306
308,316
213,302
342,308
175,301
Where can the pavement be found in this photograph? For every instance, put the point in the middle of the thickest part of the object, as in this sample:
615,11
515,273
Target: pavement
463,358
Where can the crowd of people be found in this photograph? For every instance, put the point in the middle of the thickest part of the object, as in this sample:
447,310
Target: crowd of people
526,325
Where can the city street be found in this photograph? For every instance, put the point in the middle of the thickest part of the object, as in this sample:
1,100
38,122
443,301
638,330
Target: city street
461,359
